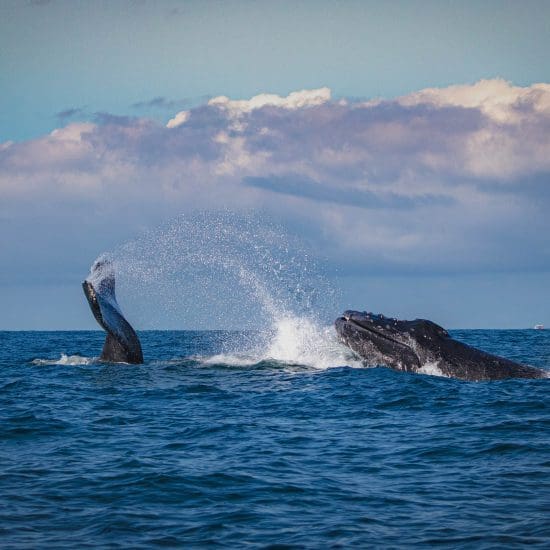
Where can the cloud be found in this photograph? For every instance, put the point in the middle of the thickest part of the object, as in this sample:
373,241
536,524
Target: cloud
441,179
161,103
356,197
294,100
496,98
111,119
178,120
66,114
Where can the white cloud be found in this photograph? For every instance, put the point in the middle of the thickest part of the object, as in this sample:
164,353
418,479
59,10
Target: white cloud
72,132
452,178
496,98
180,118
294,100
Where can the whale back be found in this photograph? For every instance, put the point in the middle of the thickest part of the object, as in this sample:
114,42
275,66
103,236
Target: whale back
412,345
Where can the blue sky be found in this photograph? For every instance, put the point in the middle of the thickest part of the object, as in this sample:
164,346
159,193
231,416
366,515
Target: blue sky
406,143
107,56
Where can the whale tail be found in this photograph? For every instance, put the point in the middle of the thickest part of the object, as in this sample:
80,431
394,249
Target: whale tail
122,344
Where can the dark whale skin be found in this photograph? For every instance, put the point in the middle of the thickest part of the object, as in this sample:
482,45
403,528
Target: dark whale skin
409,345
122,344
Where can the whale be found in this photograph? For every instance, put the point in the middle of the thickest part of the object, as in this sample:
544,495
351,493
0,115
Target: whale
122,344
422,346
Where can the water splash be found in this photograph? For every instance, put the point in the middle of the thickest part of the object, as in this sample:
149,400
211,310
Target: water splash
299,340
231,271
291,342
431,368
219,271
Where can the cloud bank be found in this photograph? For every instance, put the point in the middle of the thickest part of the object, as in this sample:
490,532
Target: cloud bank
441,180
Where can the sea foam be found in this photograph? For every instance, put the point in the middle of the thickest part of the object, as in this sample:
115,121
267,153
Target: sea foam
73,360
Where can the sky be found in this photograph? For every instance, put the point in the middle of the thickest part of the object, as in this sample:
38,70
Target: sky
406,144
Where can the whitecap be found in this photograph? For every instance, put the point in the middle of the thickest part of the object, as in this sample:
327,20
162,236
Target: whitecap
73,360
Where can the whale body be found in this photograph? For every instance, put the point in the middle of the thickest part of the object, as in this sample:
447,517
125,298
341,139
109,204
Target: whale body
422,346
121,344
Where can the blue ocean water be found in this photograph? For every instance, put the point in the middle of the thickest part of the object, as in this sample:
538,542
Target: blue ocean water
206,447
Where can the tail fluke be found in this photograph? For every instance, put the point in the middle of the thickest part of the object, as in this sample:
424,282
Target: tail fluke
122,344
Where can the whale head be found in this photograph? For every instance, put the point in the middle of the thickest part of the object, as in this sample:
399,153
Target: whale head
381,340
423,346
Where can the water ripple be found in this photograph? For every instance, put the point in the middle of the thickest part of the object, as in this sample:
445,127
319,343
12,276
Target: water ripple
191,452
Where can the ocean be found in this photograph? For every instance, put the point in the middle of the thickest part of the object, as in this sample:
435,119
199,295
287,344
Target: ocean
232,440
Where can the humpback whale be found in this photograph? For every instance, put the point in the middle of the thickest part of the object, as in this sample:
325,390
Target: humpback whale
413,345
122,344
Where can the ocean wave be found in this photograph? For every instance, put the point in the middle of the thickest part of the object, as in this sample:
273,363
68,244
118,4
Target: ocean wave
196,454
